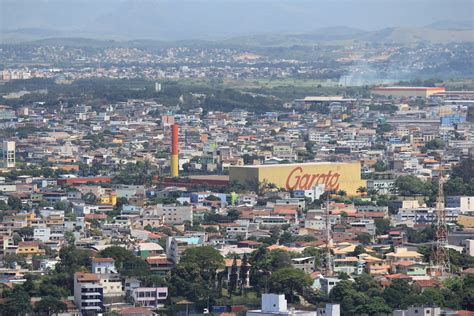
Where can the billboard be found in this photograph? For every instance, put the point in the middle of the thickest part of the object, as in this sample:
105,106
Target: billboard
302,176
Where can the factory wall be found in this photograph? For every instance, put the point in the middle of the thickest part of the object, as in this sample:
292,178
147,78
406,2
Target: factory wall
338,176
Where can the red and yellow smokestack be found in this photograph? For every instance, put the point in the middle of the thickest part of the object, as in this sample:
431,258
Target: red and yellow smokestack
174,150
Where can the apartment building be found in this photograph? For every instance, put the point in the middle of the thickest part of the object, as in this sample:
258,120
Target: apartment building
88,292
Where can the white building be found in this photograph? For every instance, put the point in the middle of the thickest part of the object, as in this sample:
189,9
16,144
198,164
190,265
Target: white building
464,203
313,194
171,214
8,154
103,265
469,246
327,284
418,311
275,304
425,215
381,186
330,310
43,234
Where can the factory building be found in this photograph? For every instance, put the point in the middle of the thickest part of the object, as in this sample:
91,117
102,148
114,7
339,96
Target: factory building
303,176
407,92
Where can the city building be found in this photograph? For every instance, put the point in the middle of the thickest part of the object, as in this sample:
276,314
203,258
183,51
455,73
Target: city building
407,92
88,293
344,176
276,304
8,154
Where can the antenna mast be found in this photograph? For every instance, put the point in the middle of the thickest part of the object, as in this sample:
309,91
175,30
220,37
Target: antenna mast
440,250
328,269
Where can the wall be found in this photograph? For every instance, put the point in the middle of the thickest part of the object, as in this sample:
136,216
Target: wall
338,176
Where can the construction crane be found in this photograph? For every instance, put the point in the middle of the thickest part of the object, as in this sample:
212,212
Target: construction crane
440,250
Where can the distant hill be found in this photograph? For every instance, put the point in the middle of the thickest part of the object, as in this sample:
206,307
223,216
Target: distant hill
172,20
345,34
451,25
442,32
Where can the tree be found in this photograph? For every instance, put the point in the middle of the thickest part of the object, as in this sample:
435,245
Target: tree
90,198
367,284
347,295
73,260
359,249
399,294
125,261
50,305
213,198
14,203
364,238
382,225
286,238
243,273
233,277
279,259
380,166
411,185
26,232
289,281
206,258
17,303
435,144
10,259
195,275
375,306
121,201
50,289
233,214
69,236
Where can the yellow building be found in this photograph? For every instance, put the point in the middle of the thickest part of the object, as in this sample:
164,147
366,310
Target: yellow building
110,198
303,176
466,221
407,92
54,220
29,248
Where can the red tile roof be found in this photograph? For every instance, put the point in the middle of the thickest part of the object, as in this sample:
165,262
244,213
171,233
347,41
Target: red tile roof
103,260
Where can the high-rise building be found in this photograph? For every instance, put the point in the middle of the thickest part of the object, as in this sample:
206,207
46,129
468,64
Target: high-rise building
8,154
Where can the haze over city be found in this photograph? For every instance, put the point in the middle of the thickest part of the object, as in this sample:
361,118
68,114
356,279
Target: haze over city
236,157
212,19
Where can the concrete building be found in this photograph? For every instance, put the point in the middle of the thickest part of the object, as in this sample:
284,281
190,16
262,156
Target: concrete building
306,264
313,193
302,176
327,284
8,154
103,265
88,293
329,310
418,311
407,92
176,245
469,246
149,296
276,304
464,203
171,214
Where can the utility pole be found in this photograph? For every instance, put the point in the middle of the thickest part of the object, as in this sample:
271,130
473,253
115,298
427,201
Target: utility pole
440,250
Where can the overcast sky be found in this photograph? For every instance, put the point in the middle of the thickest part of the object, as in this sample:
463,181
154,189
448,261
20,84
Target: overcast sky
186,19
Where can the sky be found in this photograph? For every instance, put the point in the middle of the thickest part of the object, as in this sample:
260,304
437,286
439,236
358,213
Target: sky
214,19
